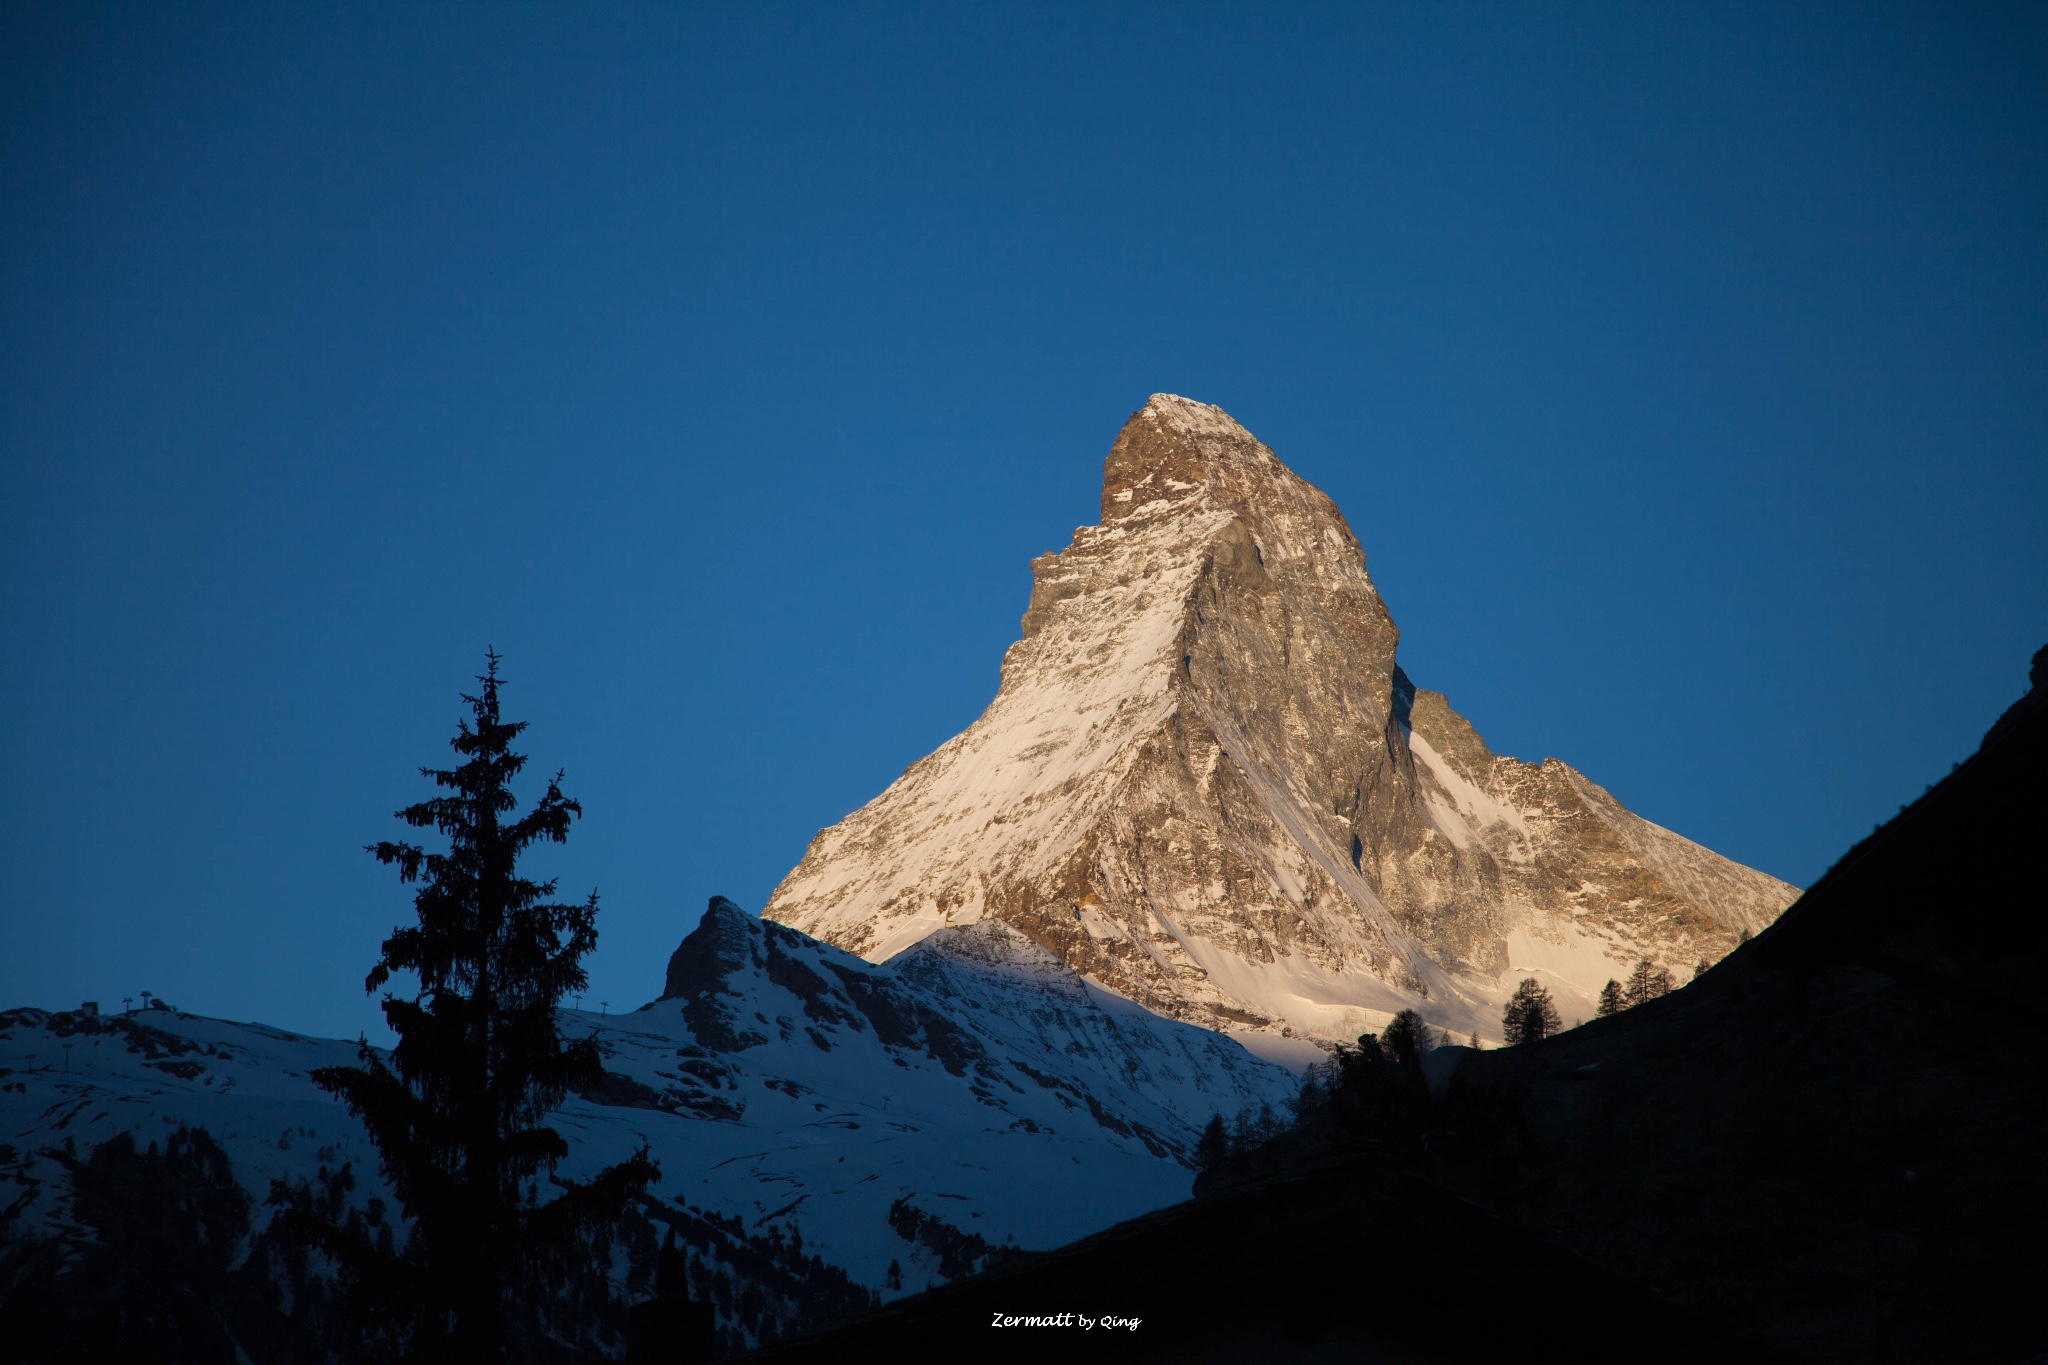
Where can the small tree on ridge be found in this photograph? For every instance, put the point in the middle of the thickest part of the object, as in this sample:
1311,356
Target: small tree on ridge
1213,1149
1531,1015
1646,982
1406,1038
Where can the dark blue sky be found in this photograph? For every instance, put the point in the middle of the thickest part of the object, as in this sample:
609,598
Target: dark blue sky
1681,369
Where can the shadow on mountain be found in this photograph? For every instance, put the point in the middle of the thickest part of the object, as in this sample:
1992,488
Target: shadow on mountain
1828,1147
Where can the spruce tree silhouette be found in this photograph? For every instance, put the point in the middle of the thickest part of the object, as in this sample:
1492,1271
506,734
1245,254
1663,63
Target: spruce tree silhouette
1214,1147
456,1110
1530,1016
1406,1039
1611,1001
1646,982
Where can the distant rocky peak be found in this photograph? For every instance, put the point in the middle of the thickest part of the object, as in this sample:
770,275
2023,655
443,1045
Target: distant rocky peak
1174,450
723,942
1175,455
1205,784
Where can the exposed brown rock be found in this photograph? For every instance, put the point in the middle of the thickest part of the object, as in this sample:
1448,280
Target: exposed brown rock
1205,784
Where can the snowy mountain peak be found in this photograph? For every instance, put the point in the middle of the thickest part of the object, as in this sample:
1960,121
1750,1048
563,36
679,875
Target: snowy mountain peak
1174,449
1176,457
1205,785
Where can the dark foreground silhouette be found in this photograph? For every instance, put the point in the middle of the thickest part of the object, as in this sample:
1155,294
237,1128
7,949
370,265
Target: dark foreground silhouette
1828,1147
1346,1260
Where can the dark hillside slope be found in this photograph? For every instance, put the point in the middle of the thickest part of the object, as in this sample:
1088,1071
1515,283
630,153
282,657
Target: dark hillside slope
1345,1260
1828,1148
1834,1141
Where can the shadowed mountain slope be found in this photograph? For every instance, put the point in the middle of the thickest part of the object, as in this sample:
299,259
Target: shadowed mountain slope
1835,1138
1348,1261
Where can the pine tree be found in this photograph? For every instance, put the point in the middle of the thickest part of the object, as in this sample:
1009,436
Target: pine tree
1311,1103
1699,969
1357,1081
456,1110
1213,1149
1406,1039
1646,982
1531,1015
1610,999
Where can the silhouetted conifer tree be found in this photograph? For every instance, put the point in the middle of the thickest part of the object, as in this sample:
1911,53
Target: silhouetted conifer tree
1312,1103
1610,999
1213,1149
670,1328
1406,1038
1256,1126
456,1110
1362,1082
1646,982
1699,969
1530,1016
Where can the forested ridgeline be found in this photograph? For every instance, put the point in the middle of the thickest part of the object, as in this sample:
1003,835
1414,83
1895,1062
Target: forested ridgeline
169,1259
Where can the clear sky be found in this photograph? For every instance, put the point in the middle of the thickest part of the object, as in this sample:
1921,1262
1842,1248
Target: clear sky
1680,367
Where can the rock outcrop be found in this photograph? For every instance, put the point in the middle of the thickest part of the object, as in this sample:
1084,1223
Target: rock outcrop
1206,784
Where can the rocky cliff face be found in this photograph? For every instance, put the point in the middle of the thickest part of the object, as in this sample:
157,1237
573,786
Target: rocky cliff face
1206,784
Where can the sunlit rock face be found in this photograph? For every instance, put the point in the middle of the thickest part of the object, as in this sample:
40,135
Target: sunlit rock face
1206,784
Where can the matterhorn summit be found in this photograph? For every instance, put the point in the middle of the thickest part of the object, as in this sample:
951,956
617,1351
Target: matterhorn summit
1206,785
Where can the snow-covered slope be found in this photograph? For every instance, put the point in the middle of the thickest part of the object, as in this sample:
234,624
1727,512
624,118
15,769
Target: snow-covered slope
1205,783
976,1071
778,1081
